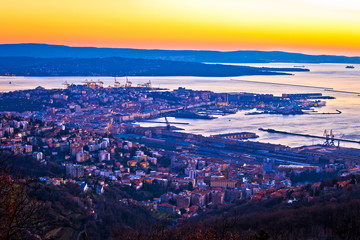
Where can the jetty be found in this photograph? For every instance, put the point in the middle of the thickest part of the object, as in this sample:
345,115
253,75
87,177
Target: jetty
269,130
150,121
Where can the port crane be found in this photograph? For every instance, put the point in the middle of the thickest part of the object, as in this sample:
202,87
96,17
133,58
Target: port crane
329,138
87,83
99,84
168,127
117,84
145,85
128,83
92,84
66,84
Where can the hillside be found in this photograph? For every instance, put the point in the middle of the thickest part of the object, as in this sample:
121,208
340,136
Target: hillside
116,66
326,210
57,51
329,210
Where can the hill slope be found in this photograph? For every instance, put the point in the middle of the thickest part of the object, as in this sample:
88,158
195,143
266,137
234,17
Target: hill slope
116,66
57,51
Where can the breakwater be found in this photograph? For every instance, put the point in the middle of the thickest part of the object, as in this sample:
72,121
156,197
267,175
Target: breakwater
269,130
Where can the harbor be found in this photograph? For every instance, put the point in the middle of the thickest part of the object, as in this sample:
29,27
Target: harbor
329,138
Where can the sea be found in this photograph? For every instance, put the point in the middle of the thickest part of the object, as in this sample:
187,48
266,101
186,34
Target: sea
329,79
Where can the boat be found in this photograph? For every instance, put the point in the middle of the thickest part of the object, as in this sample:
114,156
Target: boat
254,113
350,66
193,115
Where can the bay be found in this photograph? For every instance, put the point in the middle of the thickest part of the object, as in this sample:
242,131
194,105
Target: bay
343,83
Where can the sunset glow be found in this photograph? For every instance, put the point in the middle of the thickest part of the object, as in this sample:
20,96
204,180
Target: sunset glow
330,27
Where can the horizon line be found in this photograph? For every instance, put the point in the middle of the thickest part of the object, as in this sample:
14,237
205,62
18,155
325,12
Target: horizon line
166,49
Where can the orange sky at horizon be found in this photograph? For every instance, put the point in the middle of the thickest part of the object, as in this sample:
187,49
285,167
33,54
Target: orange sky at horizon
316,27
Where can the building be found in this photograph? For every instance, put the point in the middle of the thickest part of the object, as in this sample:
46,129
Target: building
74,170
240,135
131,163
192,174
182,201
28,148
75,148
84,187
166,207
104,156
82,156
144,165
198,199
223,183
140,173
268,166
231,195
167,196
218,197
38,155
99,189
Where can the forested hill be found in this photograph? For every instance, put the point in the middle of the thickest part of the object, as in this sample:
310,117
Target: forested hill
57,51
117,66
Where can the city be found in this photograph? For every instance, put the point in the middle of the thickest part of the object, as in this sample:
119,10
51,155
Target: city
179,120
93,136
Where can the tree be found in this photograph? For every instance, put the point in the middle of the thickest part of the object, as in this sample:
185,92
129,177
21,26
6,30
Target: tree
262,235
20,212
190,186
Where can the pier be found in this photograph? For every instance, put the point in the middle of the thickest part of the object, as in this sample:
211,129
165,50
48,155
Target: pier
337,112
269,130
328,89
284,84
150,121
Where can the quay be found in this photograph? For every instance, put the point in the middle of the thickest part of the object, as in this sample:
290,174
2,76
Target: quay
150,121
337,112
239,135
308,135
284,84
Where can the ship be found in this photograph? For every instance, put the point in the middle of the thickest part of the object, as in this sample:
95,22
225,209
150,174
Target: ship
193,115
350,66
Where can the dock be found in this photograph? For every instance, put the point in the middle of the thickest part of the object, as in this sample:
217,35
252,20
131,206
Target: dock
150,121
237,135
328,89
337,112
269,130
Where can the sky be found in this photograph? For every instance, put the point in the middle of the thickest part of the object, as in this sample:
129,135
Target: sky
307,26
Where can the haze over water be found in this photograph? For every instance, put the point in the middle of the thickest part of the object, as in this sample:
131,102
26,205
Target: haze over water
334,76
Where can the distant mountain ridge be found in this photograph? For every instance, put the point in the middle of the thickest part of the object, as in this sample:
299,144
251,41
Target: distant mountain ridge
60,51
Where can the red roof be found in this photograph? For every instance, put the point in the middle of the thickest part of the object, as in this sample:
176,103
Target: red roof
194,208
166,205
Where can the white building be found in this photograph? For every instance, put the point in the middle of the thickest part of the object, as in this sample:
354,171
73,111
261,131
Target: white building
104,156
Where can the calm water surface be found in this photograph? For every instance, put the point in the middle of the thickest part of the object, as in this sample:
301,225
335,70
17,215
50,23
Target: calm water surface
321,76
